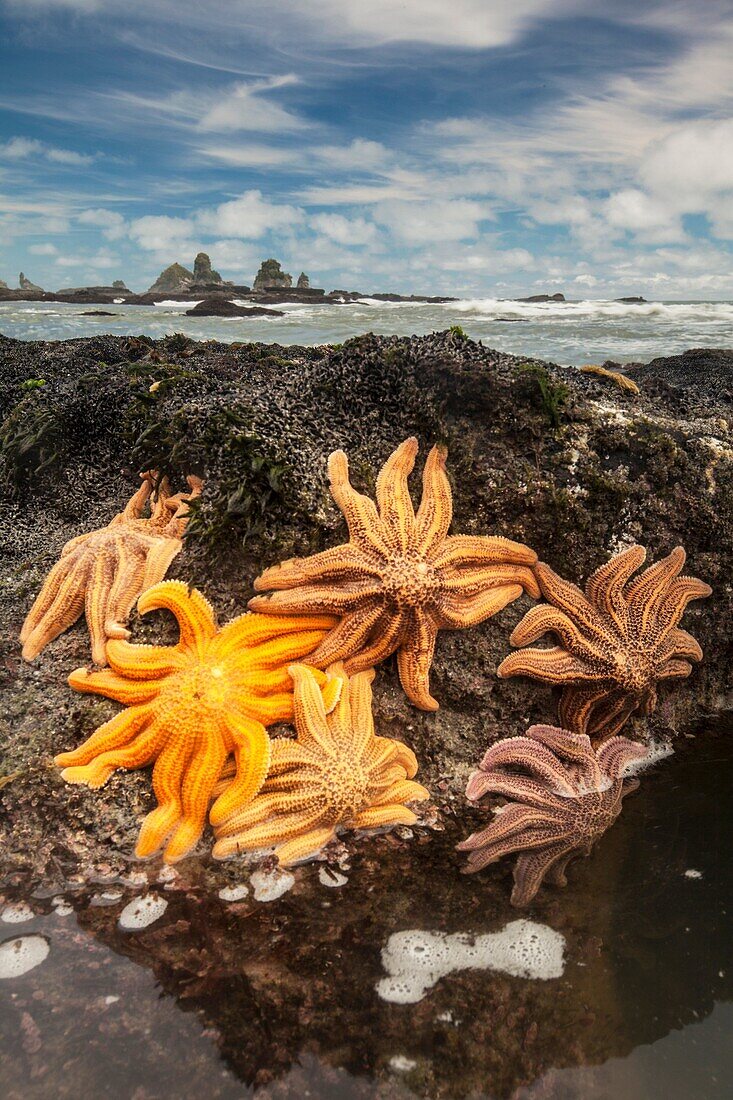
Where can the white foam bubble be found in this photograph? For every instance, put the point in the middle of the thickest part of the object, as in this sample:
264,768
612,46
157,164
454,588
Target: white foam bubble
142,912
19,956
17,913
415,960
270,885
691,873
656,751
234,893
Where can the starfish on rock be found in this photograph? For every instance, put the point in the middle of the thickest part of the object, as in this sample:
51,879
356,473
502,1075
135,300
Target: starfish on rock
103,572
189,707
401,578
619,638
336,774
561,796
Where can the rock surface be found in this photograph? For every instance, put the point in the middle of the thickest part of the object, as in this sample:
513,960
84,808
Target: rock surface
25,284
562,461
303,281
203,271
542,298
222,307
173,278
271,276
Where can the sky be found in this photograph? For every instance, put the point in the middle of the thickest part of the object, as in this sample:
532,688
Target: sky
485,148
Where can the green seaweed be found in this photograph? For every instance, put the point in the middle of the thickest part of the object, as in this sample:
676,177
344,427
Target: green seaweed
553,395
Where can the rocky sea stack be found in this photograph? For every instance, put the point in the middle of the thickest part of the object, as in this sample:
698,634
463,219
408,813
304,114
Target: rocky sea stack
271,276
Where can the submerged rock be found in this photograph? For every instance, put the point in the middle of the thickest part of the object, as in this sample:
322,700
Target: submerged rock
222,307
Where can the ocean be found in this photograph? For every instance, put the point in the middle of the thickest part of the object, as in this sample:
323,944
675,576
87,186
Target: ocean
570,333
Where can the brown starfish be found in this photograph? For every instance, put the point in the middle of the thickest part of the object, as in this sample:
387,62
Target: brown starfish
618,639
401,577
561,796
104,571
337,774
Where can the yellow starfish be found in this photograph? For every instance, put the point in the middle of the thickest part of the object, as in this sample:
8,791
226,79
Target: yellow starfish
619,638
337,773
104,571
189,706
400,578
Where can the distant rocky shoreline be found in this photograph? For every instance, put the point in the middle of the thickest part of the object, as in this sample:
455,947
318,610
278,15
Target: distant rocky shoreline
271,286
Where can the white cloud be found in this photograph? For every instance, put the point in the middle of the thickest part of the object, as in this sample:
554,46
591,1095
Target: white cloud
159,233
249,155
47,249
250,216
420,222
344,231
22,148
359,154
111,223
640,213
243,108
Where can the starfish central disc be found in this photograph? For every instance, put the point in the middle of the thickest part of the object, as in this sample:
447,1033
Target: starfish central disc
337,773
401,577
189,707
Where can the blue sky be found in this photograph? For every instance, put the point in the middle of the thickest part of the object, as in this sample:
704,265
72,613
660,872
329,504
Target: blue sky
476,147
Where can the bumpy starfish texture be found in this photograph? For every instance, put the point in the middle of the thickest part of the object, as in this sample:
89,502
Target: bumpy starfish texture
560,797
189,707
401,578
619,639
103,572
337,773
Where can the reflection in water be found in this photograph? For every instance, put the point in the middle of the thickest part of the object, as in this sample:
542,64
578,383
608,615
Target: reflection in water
240,998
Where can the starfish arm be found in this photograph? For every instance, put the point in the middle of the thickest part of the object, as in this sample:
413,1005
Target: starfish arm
378,816
76,543
383,751
485,848
193,612
685,646
546,619
457,612
528,753
611,713
436,507
269,709
101,578
105,682
46,597
51,617
605,587
119,731
555,874
362,719
318,600
404,790
387,636
311,721
645,593
513,787
143,662
615,753
270,640
167,773
261,808
576,706
135,754
349,637
268,833
675,670
414,658
566,596
360,513
287,753
571,748
198,782
136,504
393,496
530,870
673,606
461,550
125,587
339,563
552,666
159,557
480,578
179,505
292,851
252,756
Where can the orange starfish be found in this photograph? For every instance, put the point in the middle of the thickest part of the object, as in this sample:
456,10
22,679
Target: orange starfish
337,773
189,706
104,571
401,578
619,638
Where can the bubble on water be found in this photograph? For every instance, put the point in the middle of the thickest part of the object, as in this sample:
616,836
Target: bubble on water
142,912
61,907
656,751
19,956
17,913
234,893
270,885
328,877
415,960
691,873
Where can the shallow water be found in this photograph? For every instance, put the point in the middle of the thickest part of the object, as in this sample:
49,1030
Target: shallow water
566,332
233,999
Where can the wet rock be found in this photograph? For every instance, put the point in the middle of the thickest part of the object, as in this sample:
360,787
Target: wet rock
542,298
222,307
